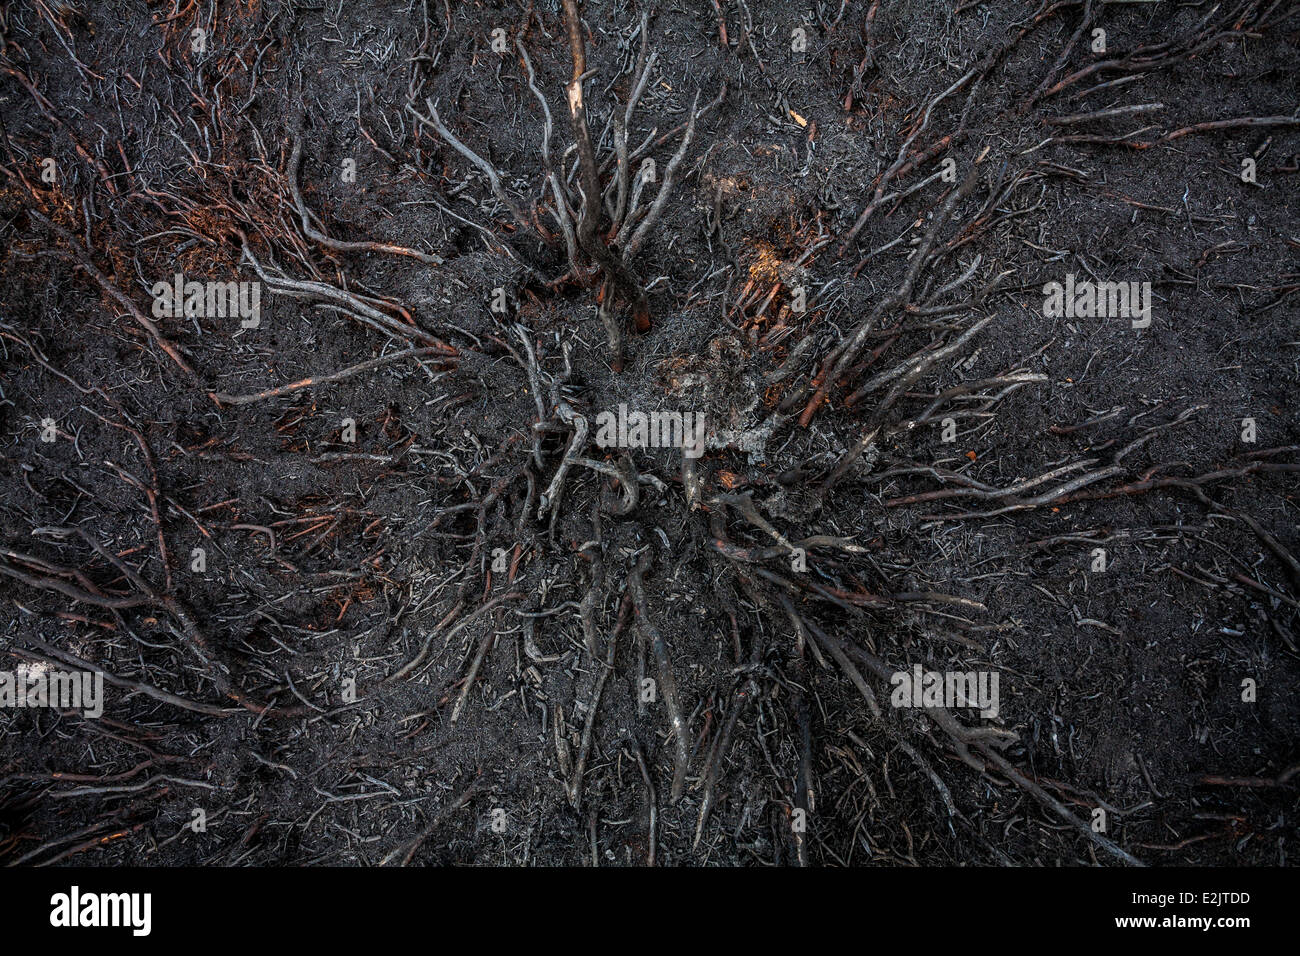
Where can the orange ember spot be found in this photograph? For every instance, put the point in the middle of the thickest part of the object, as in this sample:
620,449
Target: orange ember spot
766,265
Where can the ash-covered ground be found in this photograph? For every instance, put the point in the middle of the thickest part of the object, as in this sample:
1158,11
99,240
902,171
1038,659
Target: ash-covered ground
312,320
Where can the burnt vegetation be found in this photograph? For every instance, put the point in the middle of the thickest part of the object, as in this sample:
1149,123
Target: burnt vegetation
363,585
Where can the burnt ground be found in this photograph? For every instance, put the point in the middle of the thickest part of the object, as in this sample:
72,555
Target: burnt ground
403,649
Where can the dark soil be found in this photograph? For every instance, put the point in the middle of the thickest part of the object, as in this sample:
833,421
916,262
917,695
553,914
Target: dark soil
392,656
